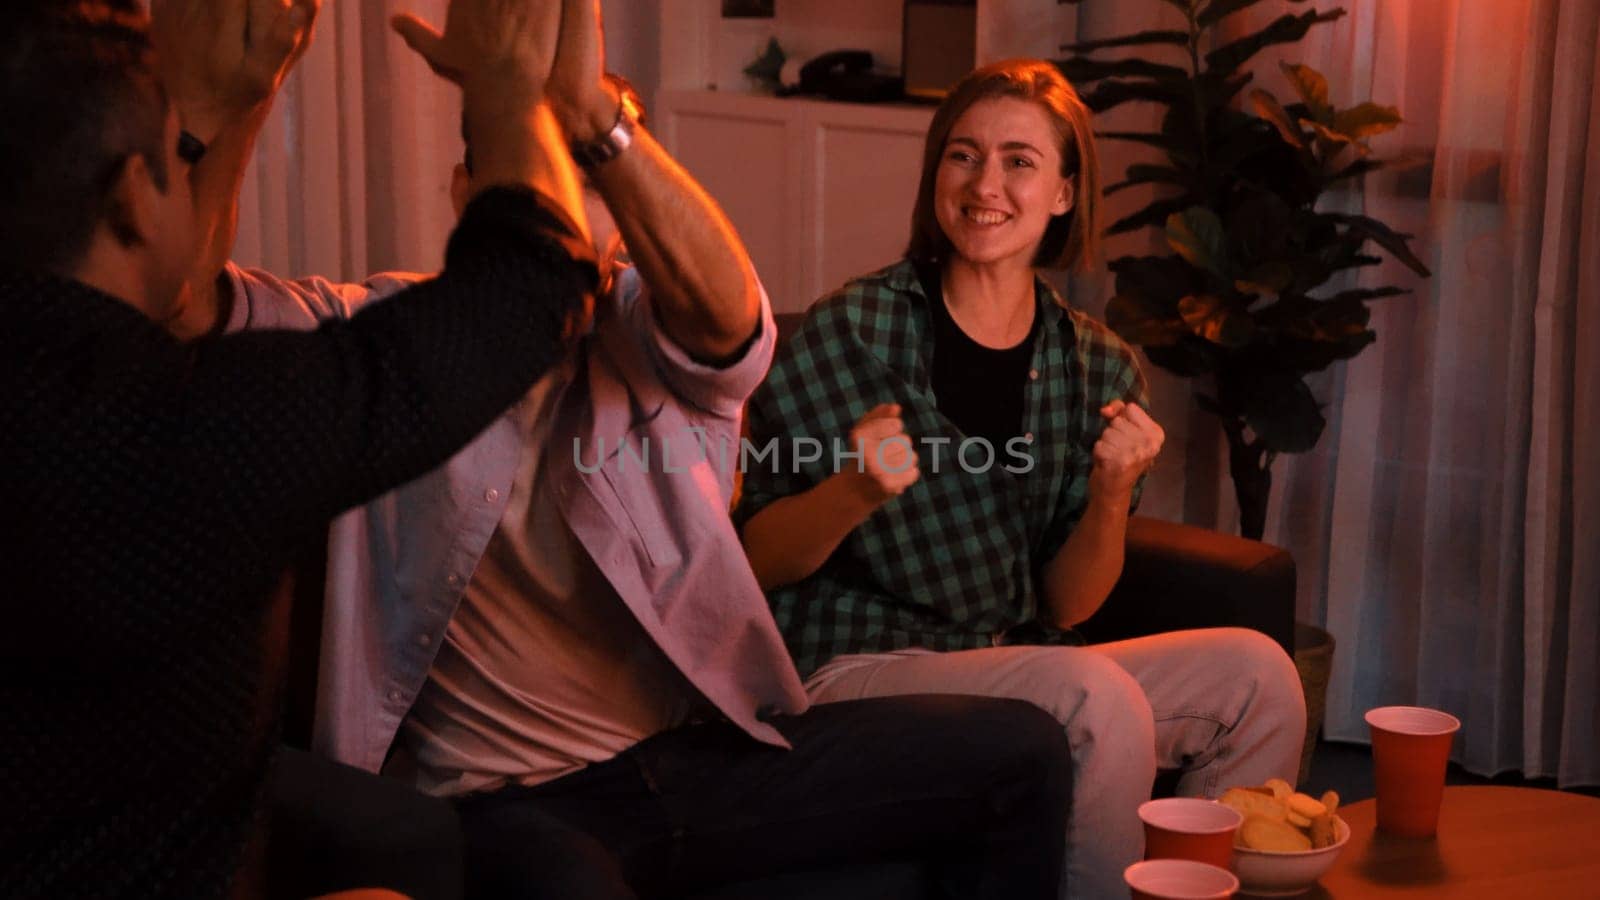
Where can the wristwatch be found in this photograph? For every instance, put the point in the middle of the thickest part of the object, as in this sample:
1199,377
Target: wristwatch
610,145
190,148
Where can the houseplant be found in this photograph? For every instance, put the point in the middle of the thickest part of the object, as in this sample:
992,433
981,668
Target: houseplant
1258,290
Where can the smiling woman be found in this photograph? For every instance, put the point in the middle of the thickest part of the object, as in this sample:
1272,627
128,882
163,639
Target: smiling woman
1023,100
928,575
999,183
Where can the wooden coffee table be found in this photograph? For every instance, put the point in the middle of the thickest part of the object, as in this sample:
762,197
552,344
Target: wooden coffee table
1493,842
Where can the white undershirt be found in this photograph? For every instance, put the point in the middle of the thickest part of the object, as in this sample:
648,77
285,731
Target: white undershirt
543,669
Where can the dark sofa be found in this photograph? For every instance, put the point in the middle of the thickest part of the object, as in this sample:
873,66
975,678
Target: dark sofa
1175,577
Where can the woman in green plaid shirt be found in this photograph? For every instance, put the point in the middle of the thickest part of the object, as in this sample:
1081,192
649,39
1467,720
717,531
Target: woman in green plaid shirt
947,455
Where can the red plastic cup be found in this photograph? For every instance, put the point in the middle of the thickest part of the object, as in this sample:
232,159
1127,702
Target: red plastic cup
1410,749
1189,828
1179,879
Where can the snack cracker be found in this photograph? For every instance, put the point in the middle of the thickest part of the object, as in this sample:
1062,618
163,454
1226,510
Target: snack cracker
1279,819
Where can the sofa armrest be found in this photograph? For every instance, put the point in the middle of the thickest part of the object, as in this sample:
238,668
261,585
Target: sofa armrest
1180,576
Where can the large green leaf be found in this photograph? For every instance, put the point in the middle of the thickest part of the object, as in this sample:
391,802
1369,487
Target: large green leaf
1167,279
1334,139
1366,120
1359,167
1337,320
1178,151
1154,214
1278,406
1266,278
1181,129
1219,92
1312,86
1217,320
1263,232
1284,314
1196,235
1142,321
1364,294
1182,5
1268,107
1143,38
1142,173
1303,355
1189,357
1151,138
1385,237
1112,93
1286,29
1217,10
1326,256
1311,335
1239,145
1081,70
1354,262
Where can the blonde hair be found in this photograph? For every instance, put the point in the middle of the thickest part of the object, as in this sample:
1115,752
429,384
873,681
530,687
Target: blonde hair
1072,239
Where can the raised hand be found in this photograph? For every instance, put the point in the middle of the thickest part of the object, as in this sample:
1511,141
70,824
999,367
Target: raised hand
1125,451
577,92
500,52
502,48
889,463
221,60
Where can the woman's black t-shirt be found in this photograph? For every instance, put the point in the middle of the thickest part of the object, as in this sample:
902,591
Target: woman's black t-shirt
978,388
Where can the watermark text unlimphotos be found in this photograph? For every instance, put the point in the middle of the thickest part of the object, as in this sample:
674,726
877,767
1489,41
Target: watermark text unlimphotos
974,455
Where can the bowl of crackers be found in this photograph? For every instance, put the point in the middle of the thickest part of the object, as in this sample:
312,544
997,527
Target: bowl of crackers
1288,839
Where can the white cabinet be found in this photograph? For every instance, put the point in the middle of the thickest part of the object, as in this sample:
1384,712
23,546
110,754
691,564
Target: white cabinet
701,50
819,191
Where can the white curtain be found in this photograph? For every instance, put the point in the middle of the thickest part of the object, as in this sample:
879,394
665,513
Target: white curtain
352,172
1447,526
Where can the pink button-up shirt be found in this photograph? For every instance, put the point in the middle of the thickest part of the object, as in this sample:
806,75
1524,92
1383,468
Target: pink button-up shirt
642,465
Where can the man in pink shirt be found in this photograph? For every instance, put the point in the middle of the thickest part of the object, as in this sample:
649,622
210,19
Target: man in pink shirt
558,630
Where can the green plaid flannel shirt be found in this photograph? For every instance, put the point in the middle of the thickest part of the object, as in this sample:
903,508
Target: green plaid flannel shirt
951,563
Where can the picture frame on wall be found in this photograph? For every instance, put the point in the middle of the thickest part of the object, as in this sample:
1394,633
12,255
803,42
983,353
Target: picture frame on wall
748,9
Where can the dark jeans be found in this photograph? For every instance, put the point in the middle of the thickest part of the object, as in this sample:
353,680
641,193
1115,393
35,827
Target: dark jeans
333,827
978,787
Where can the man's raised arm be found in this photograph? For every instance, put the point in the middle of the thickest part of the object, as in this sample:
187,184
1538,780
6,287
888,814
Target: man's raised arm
395,390
222,62
701,280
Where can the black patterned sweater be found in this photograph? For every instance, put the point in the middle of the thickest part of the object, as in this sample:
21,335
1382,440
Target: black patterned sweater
150,495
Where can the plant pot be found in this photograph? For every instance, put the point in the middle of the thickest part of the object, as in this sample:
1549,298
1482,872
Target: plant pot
1313,657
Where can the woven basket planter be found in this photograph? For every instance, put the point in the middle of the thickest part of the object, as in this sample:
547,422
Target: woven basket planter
1313,657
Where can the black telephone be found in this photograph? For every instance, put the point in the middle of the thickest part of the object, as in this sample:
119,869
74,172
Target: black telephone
831,67
847,75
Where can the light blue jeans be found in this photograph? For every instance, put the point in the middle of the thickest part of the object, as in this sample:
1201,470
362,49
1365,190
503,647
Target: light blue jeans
1223,705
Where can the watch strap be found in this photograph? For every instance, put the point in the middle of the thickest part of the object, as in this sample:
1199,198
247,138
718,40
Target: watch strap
608,146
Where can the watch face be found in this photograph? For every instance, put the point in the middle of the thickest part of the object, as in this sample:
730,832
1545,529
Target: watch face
608,146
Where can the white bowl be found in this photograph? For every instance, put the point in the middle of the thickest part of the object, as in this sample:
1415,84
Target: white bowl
1264,873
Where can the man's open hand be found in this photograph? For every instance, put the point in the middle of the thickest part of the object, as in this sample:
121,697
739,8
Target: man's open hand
220,60
577,93
498,49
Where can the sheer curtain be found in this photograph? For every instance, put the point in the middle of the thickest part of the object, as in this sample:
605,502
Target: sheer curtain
352,172
1447,526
